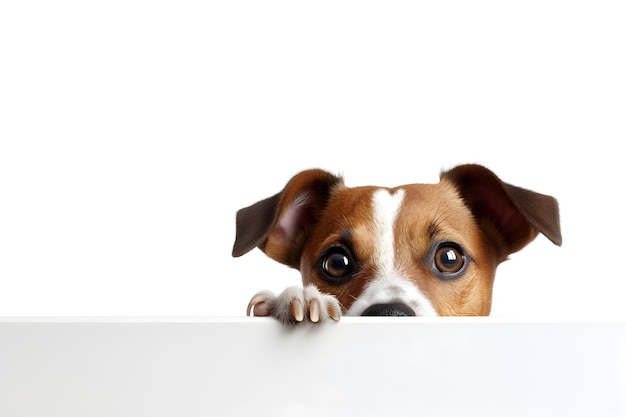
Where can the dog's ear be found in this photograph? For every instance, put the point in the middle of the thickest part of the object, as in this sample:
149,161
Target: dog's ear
510,216
279,225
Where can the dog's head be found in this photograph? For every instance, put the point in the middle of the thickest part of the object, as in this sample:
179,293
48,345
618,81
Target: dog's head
419,249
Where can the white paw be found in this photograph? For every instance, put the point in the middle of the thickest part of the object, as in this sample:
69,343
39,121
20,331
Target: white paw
295,305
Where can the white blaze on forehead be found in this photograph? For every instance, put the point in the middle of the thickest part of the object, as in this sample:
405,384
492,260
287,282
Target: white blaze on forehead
385,207
389,285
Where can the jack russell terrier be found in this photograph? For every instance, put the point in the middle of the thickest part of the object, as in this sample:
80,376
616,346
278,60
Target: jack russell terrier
413,250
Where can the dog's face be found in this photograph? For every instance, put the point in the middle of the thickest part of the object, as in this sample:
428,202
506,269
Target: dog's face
399,246
419,249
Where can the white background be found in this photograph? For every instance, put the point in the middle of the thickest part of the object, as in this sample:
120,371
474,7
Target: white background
131,133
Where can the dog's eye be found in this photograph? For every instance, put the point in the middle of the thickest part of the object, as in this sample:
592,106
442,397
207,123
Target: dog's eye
449,258
337,263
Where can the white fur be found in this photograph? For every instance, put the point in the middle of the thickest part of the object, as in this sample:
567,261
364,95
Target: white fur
310,303
389,285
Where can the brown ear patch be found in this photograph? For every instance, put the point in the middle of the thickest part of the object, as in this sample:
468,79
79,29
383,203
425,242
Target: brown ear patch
540,210
511,216
253,224
280,224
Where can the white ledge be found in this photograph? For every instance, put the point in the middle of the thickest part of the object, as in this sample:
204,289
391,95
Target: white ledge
138,366
271,321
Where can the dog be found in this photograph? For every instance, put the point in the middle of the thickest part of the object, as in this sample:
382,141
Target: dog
412,250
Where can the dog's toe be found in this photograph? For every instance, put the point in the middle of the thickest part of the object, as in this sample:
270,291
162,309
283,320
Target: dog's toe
334,309
321,306
314,310
296,308
262,304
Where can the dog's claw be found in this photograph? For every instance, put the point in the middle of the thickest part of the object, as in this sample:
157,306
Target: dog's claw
297,310
255,300
334,311
260,305
314,310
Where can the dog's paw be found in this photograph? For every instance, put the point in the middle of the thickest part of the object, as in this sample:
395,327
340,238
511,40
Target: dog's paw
295,305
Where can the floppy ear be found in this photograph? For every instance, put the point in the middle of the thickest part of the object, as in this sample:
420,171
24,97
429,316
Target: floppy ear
279,225
510,216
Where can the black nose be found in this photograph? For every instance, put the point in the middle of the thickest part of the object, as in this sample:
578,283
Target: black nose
393,309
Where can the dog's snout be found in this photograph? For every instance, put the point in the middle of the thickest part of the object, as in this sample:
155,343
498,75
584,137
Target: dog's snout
392,309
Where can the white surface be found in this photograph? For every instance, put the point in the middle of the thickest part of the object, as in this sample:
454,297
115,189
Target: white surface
132,131
361,366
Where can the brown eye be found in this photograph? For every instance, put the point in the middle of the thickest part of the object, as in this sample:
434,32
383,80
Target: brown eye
336,263
449,259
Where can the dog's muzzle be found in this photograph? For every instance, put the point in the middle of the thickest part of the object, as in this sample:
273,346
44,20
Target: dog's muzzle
393,309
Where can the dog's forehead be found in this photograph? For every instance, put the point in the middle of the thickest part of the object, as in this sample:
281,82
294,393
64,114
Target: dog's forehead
418,210
360,200
438,213
441,199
